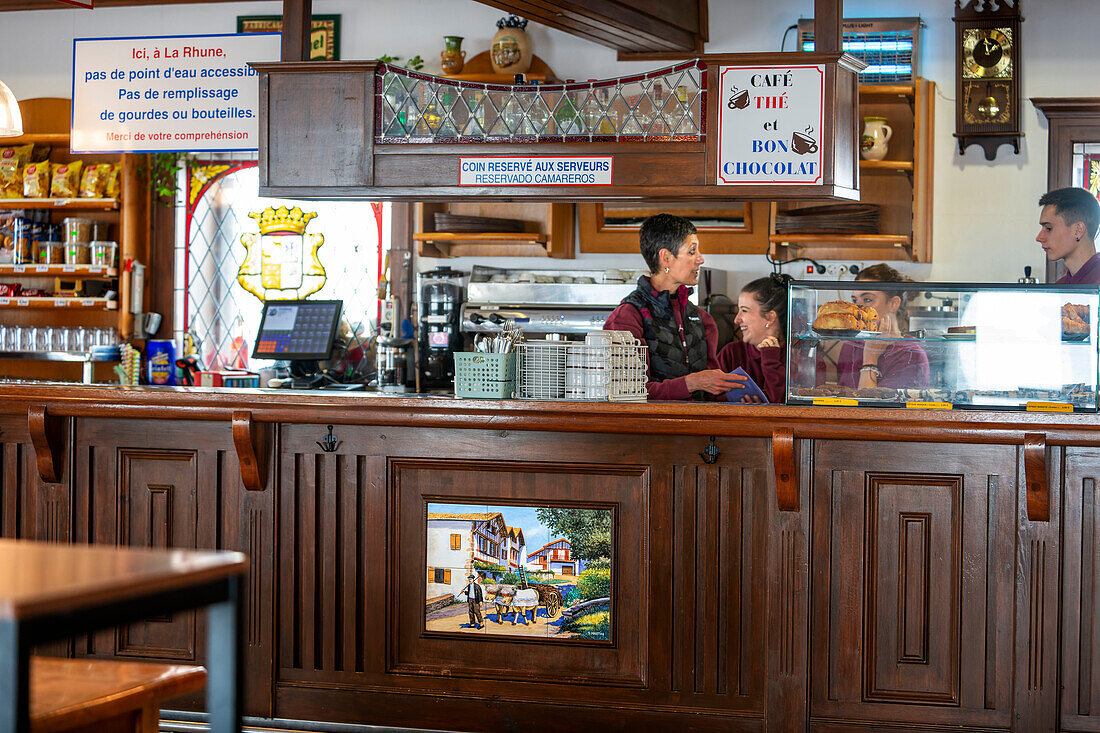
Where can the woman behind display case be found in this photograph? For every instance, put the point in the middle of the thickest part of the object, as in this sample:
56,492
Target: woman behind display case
681,338
762,350
900,364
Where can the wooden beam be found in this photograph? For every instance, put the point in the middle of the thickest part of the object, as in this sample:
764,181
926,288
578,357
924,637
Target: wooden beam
297,17
828,16
15,5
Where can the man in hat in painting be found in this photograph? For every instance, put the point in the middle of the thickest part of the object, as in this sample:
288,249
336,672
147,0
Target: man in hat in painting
474,598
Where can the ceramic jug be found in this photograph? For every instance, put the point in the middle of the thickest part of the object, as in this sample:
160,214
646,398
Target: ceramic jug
452,57
510,51
876,134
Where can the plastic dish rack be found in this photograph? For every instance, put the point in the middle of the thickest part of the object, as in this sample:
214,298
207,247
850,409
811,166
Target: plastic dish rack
606,366
487,376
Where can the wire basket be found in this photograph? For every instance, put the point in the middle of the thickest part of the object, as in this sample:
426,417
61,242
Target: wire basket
606,366
485,376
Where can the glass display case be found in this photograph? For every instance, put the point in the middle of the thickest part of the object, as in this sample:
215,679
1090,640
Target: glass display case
946,345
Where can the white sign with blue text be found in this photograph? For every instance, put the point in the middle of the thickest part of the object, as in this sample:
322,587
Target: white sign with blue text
566,170
168,93
770,120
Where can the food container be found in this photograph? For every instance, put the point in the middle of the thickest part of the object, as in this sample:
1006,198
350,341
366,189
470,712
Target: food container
22,241
104,253
100,231
76,230
50,253
77,254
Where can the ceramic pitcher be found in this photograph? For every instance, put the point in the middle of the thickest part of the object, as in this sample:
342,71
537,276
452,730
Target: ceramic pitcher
876,134
452,57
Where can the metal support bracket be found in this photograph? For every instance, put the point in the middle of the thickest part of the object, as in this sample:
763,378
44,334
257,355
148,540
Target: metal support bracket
785,461
710,453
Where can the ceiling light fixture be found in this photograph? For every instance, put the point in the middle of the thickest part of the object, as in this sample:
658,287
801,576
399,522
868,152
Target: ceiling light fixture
11,122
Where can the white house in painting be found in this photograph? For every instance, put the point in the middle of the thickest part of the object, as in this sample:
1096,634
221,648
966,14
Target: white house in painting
456,541
556,556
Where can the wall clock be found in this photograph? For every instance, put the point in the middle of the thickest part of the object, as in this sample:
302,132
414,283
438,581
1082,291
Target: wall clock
987,74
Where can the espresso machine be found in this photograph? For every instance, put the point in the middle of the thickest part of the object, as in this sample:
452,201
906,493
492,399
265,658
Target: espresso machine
440,297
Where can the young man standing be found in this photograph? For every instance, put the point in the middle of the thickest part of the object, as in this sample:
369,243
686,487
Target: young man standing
1067,231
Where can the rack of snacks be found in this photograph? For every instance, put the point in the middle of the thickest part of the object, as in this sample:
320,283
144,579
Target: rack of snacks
68,226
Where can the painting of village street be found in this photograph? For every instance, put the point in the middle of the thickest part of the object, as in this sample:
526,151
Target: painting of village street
519,571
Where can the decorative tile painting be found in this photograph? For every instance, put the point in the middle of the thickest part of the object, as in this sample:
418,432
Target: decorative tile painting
526,571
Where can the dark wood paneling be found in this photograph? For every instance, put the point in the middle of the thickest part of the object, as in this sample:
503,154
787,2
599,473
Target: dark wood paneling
1080,668
914,578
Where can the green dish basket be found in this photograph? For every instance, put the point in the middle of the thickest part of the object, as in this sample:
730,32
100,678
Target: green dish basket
485,376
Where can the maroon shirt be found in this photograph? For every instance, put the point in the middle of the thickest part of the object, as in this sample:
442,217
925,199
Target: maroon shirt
1088,274
627,318
766,366
903,364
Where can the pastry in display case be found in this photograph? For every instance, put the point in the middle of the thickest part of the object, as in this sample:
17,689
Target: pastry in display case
946,345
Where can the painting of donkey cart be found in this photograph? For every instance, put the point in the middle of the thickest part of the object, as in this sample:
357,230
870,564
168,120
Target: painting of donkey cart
519,570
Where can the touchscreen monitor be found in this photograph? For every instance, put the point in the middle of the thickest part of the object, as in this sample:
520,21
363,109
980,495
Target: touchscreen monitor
297,329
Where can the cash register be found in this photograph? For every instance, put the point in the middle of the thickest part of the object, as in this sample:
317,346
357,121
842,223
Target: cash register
303,333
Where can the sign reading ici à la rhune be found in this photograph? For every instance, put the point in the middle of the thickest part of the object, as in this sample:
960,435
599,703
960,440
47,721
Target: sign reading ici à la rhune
168,93
770,121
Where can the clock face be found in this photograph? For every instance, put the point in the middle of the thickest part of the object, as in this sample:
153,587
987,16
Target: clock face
987,103
987,53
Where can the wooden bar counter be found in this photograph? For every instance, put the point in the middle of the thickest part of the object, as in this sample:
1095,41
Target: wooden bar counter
775,568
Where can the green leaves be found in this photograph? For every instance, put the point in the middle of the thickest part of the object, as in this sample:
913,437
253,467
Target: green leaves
162,172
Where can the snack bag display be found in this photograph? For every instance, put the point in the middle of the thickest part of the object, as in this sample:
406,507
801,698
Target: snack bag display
11,182
17,156
113,186
93,183
66,180
36,180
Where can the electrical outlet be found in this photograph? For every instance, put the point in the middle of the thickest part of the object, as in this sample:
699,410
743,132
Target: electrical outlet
835,270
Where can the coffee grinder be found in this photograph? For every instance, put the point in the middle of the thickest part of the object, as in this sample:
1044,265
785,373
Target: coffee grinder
440,297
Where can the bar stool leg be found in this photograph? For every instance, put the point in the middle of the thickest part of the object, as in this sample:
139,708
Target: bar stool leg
223,654
15,667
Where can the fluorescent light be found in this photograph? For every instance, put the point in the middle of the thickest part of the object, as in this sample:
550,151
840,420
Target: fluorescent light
11,122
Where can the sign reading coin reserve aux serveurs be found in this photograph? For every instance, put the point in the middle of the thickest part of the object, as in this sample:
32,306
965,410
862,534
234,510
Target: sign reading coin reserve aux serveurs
770,120
168,93
572,170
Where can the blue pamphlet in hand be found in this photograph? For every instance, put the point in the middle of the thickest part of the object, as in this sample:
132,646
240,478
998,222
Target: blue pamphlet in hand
751,389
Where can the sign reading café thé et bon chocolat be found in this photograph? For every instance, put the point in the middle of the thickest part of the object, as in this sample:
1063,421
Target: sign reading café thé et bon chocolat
770,120
168,93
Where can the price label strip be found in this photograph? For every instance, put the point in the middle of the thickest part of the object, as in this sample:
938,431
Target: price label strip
1049,407
923,405
836,401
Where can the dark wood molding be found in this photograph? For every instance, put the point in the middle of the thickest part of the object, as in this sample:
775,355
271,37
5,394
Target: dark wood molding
828,17
251,442
45,431
627,25
785,462
1035,476
13,5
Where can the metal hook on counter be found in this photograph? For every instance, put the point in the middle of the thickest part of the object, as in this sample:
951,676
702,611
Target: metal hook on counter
329,443
710,453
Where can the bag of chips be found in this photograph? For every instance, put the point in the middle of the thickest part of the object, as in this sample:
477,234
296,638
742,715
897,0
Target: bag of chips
11,182
114,183
93,183
66,180
36,180
16,157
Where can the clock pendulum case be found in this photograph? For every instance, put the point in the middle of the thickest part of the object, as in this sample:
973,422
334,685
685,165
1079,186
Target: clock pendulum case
987,74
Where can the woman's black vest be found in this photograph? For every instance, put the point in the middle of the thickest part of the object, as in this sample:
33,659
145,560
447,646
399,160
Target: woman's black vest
668,358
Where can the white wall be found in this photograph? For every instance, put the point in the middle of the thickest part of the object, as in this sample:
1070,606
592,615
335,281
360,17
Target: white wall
985,213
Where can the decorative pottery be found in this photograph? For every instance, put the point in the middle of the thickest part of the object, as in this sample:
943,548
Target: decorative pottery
510,52
452,57
876,134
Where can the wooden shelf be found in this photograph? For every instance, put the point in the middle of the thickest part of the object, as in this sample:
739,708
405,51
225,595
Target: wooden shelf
482,237
479,69
888,90
74,204
45,138
873,240
87,272
879,166
98,304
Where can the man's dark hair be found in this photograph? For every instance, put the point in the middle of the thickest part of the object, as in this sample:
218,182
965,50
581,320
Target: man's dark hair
662,231
1074,205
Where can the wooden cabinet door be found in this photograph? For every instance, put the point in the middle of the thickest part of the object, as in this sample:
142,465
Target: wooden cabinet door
934,599
1080,665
